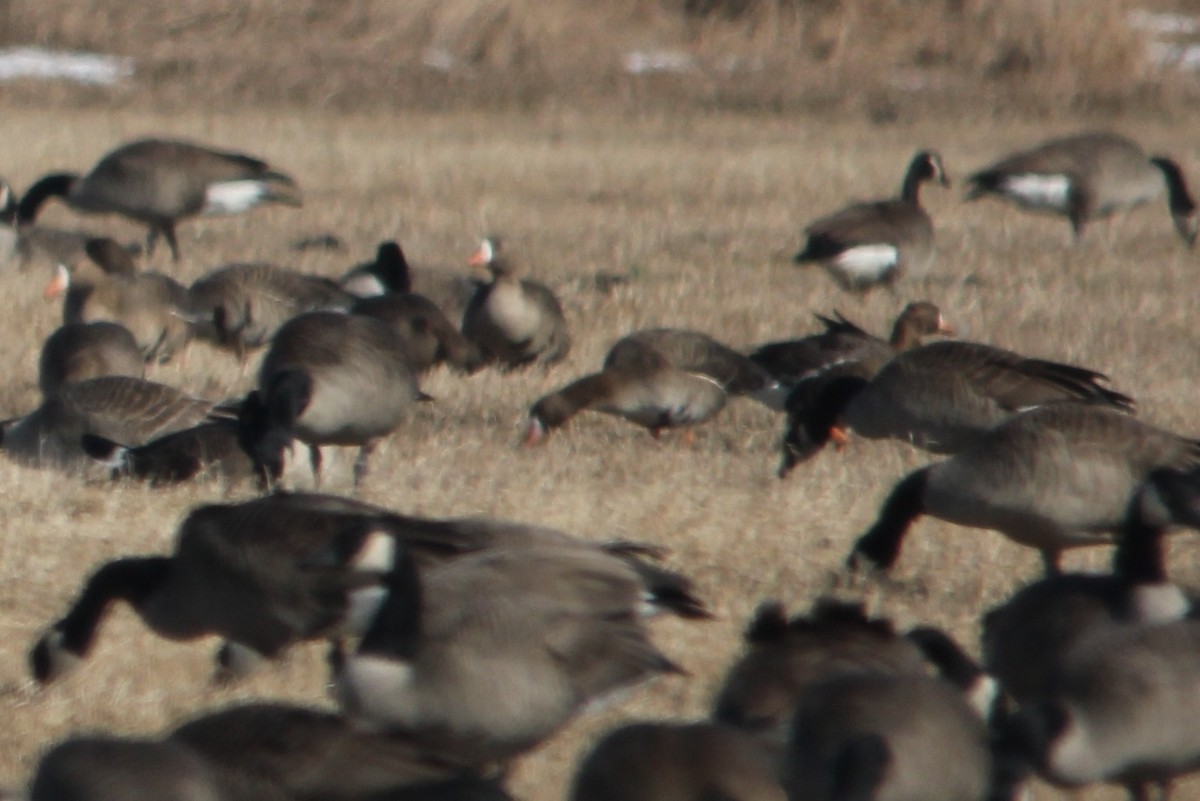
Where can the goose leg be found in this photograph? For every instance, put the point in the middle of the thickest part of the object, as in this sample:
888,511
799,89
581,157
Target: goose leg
360,464
151,239
1052,561
314,461
168,230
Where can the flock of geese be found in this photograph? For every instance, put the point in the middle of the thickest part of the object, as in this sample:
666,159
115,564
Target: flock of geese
458,645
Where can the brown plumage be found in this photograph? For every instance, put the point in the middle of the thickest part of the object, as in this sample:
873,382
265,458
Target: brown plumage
79,351
871,243
429,336
160,182
1051,478
108,286
515,321
212,450
1088,176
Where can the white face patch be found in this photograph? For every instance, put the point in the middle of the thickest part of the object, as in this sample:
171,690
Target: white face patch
1034,191
233,197
867,262
487,253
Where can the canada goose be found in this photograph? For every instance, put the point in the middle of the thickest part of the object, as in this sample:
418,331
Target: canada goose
329,379
120,408
1123,711
388,273
677,762
264,574
1085,177
1026,639
108,286
842,342
212,449
695,352
256,751
160,182
784,657
1056,477
942,397
513,320
79,351
241,306
873,243
430,338
488,654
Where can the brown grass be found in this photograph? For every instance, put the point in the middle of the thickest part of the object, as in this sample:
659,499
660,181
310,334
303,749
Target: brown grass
883,57
703,211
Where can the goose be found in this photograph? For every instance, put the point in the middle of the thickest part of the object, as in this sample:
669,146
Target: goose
159,182
241,306
329,379
388,273
1088,176
256,751
872,243
34,243
785,656
515,321
120,408
108,286
430,338
942,397
212,449
79,351
661,761
1026,638
264,574
1055,477
1123,711
487,655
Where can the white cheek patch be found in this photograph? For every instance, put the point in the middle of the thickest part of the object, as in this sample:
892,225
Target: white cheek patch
1039,191
982,696
867,262
377,554
233,197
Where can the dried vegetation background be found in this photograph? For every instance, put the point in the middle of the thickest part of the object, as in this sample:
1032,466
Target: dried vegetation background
696,204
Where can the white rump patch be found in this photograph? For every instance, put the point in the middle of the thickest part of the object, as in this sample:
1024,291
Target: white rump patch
1160,603
867,262
1047,192
233,197
364,285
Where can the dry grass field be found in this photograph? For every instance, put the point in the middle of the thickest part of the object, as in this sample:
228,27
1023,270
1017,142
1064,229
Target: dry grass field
701,212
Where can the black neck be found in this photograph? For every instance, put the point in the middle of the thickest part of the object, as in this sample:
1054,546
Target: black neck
133,580
946,655
881,544
391,268
820,418
54,185
1178,196
397,625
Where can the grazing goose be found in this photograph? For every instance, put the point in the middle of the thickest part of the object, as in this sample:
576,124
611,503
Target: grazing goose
253,752
264,574
79,351
515,321
784,657
1026,639
159,182
241,306
1123,711
677,762
120,408
108,286
34,243
329,379
942,397
877,242
210,450
388,273
1056,477
487,655
1085,177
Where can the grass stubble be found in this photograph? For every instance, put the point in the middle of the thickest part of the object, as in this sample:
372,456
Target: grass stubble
701,212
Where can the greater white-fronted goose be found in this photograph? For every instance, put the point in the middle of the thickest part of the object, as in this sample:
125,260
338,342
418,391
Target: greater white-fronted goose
388,273
212,450
486,655
1056,477
34,243
256,752
241,306
159,182
1088,176
79,351
695,352
942,397
108,286
119,408
1027,638
515,321
872,243
329,379
1123,711
264,574
664,761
